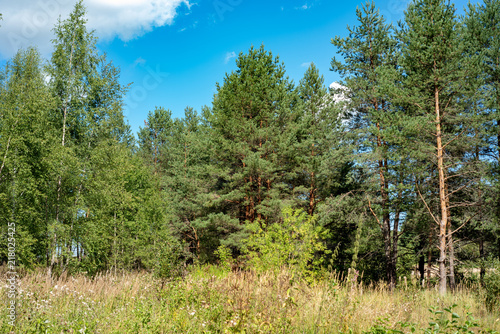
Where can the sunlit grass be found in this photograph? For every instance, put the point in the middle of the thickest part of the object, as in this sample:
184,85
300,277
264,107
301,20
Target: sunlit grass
209,300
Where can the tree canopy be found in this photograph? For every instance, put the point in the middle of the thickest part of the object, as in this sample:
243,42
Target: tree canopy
393,168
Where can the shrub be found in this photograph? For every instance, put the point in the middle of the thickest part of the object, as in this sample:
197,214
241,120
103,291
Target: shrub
492,289
296,242
224,255
169,258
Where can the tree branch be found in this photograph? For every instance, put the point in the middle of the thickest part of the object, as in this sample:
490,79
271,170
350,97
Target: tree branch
5,156
454,138
468,220
374,215
427,206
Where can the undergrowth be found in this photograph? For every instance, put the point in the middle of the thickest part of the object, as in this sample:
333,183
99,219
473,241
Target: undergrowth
212,299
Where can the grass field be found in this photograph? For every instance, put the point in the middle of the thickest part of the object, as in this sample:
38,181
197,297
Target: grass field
210,300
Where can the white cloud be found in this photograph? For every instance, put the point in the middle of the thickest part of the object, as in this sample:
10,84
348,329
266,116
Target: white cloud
229,56
28,22
306,64
308,5
303,7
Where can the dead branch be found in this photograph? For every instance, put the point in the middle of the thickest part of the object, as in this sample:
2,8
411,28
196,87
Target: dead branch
427,206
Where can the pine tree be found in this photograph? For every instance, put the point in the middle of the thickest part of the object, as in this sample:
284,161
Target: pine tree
483,26
249,121
435,73
155,139
367,51
316,153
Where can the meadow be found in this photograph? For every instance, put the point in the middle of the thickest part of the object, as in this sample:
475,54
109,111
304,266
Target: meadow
211,299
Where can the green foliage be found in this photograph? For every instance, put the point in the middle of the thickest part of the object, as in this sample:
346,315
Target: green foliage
369,51
211,300
446,321
155,139
491,284
26,140
169,258
224,255
296,242
211,186
317,159
251,114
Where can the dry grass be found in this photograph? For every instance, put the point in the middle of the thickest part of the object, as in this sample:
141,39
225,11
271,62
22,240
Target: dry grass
210,301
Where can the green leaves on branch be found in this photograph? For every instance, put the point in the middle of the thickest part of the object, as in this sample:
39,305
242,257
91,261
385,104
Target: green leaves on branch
296,242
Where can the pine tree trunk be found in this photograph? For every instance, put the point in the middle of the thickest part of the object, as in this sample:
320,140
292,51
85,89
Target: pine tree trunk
312,190
442,198
481,255
388,250
421,268
498,149
451,250
395,237
386,222
312,199
451,256
114,243
429,259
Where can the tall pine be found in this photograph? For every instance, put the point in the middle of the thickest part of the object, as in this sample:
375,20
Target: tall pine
368,49
434,75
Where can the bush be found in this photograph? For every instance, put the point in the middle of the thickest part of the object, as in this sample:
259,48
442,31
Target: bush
224,255
169,259
296,242
492,289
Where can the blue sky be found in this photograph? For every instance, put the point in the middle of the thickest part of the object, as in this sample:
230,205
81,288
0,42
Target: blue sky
174,51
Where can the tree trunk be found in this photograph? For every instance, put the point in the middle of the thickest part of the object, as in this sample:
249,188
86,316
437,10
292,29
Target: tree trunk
429,259
451,256
481,255
498,150
312,197
114,243
312,189
442,198
451,250
395,237
78,255
59,182
386,222
52,257
421,268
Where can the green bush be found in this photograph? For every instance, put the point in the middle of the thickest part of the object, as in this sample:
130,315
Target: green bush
296,242
224,255
492,289
169,259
